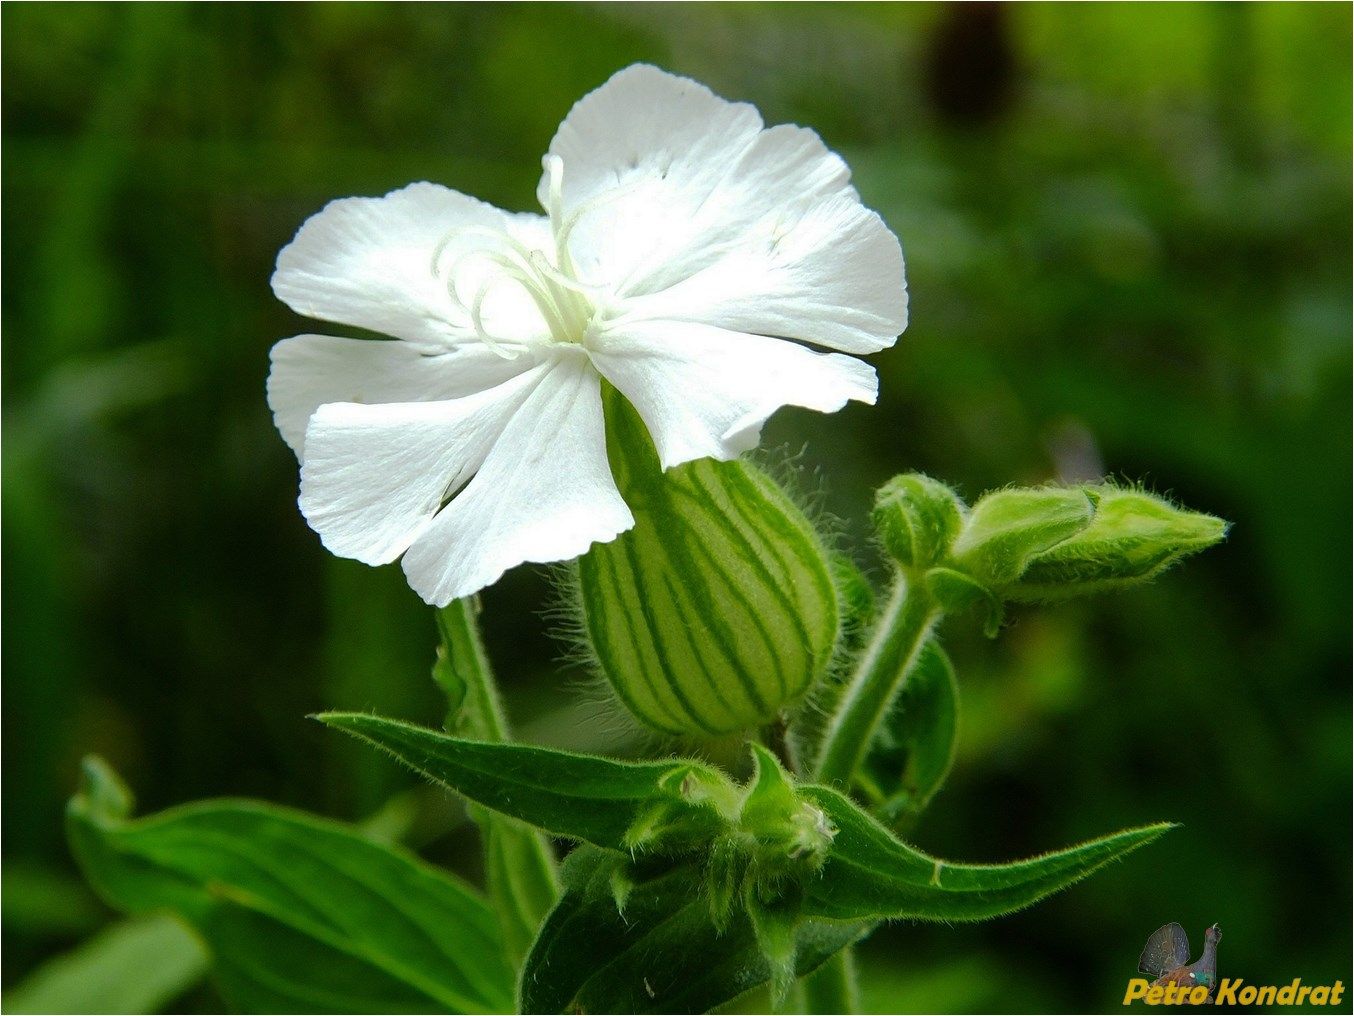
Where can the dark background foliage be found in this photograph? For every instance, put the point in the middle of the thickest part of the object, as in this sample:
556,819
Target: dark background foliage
1127,230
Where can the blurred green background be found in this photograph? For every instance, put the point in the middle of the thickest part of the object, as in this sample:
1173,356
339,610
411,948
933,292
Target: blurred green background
1128,241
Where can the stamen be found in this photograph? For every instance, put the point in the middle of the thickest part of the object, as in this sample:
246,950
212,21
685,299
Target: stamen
477,319
562,301
564,231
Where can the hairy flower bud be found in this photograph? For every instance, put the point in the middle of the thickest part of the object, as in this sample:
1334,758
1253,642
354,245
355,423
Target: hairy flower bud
917,518
718,609
1134,537
789,832
1006,529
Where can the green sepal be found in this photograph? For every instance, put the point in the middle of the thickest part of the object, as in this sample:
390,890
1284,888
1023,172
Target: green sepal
693,801
870,874
724,876
301,914
622,882
854,592
665,955
1135,536
917,519
717,610
657,806
1007,528
912,754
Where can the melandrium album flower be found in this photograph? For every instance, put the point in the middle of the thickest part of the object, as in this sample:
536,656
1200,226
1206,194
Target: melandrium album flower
686,253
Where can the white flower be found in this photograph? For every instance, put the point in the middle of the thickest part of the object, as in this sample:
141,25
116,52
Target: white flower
684,244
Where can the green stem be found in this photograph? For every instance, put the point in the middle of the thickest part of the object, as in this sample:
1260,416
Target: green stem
519,862
832,987
468,661
890,656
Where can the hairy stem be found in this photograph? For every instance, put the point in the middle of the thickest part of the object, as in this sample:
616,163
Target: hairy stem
519,862
467,660
884,665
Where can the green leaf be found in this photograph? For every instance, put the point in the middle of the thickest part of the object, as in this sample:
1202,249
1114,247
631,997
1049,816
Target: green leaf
166,957
718,609
301,914
870,874
620,805
663,956
913,751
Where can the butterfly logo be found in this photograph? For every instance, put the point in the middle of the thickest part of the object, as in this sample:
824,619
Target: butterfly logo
1166,958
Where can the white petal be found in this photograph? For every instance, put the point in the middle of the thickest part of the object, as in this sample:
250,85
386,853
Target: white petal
311,370
545,493
705,391
374,476
370,262
833,277
687,209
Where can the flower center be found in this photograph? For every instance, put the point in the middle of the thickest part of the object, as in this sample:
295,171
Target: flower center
564,303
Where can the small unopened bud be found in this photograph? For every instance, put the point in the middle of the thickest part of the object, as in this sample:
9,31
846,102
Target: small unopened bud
1134,537
692,805
917,518
789,832
1006,529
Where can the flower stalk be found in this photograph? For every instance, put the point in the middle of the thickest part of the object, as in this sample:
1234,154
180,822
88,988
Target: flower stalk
519,862
892,653
832,988
464,673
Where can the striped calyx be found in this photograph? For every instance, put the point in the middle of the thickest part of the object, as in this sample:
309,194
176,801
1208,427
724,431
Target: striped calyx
718,609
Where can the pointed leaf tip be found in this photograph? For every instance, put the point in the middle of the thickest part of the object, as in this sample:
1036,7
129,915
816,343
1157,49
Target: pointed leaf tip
623,806
871,874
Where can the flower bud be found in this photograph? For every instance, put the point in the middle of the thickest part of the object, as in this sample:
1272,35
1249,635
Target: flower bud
1006,529
693,805
718,609
1134,537
917,518
785,827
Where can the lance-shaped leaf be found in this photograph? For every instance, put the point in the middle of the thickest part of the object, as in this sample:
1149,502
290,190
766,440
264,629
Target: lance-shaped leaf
620,805
870,874
661,954
300,914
